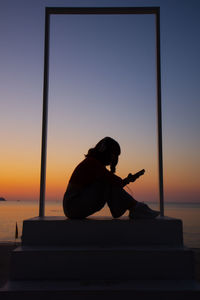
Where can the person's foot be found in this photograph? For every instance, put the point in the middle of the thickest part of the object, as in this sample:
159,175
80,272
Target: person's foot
143,211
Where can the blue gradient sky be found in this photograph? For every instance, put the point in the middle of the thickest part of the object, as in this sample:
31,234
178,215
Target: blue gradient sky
102,82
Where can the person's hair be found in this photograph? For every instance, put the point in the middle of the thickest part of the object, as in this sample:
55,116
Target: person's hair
103,151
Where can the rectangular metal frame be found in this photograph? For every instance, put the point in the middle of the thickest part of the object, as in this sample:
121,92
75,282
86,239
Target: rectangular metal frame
103,11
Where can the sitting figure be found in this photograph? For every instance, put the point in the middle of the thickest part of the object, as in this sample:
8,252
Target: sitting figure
92,185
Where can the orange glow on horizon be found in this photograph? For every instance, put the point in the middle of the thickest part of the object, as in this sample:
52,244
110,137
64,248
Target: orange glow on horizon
20,180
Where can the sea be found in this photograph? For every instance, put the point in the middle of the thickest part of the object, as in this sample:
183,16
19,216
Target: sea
13,213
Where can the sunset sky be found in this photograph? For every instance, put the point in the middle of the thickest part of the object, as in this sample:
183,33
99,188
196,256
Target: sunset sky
102,83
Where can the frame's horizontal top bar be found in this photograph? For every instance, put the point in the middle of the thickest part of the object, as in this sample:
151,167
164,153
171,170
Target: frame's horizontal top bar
102,10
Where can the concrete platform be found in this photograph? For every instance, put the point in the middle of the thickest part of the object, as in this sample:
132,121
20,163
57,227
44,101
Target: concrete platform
102,290
101,258
116,263
102,232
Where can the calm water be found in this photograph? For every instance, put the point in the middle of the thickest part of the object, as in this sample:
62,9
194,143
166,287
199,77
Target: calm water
17,211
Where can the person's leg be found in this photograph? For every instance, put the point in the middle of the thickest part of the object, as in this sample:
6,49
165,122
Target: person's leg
81,205
119,201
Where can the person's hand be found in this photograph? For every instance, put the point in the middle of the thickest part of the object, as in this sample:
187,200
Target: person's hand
133,177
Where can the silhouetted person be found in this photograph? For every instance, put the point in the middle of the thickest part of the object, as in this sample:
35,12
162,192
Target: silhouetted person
91,186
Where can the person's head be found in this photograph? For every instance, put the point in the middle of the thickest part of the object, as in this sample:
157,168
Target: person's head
107,151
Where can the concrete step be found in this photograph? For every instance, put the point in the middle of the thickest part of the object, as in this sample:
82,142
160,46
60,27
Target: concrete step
76,263
102,231
102,290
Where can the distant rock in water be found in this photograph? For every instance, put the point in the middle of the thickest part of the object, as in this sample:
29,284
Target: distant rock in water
2,199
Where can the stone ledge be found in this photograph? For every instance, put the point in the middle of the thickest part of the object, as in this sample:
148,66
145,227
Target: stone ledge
125,263
106,290
97,231
84,285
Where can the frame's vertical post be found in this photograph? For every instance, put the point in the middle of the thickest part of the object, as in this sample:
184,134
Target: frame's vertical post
84,10
44,117
159,114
